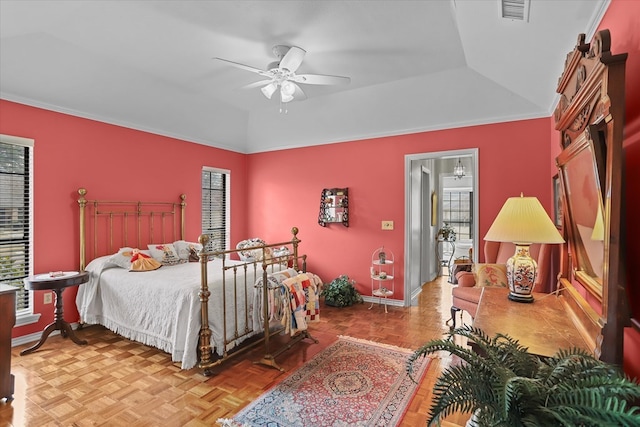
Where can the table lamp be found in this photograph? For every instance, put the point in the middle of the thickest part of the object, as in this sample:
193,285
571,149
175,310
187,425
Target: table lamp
522,221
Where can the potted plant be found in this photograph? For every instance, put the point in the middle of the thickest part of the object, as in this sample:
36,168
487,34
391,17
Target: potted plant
502,384
447,233
341,292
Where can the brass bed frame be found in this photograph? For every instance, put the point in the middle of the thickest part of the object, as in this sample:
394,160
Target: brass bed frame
116,224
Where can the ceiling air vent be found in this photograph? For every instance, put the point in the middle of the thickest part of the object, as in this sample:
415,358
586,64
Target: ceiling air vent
515,9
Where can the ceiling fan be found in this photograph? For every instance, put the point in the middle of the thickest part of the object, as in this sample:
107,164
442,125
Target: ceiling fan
282,74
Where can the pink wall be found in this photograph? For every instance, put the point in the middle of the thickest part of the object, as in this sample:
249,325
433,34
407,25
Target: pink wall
111,162
290,182
114,162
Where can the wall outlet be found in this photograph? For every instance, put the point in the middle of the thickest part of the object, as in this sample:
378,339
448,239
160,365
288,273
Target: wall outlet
48,297
387,225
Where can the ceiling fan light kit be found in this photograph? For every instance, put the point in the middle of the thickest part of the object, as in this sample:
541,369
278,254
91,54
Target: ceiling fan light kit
269,89
282,74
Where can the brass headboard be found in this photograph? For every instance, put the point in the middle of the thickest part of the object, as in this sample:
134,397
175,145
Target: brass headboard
116,224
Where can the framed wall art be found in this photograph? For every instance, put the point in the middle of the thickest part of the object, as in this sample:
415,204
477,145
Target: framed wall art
557,202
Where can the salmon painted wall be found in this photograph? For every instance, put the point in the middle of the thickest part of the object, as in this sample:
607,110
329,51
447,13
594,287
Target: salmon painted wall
111,162
623,20
286,185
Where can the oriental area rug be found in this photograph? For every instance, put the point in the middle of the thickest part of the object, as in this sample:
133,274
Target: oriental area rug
353,382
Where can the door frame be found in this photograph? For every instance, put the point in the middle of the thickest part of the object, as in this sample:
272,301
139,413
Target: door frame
414,202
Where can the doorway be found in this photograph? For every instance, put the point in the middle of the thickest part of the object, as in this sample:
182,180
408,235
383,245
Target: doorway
427,175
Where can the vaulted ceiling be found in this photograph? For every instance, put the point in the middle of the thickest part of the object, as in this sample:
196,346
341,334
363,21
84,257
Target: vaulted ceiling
414,65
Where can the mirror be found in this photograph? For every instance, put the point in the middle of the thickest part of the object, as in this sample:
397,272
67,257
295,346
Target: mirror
590,119
583,202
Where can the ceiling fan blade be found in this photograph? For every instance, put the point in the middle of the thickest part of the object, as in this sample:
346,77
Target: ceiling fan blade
257,84
242,66
292,59
321,79
299,94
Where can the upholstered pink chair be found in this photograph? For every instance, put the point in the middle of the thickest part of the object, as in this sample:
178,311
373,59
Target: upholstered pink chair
467,295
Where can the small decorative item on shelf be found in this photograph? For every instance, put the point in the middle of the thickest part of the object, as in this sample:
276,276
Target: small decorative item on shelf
341,292
382,256
447,233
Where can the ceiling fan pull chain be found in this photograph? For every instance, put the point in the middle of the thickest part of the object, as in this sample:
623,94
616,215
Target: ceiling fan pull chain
286,111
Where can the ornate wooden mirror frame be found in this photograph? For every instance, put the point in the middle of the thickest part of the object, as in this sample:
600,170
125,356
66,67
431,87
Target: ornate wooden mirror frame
590,118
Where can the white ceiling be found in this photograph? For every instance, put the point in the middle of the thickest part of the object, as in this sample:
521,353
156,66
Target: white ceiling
414,65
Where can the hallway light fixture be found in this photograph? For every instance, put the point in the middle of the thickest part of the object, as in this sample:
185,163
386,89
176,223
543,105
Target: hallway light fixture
458,170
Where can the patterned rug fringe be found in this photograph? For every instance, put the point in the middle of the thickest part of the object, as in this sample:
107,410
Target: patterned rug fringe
226,422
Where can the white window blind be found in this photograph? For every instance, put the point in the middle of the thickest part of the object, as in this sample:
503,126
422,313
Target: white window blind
215,186
15,223
457,211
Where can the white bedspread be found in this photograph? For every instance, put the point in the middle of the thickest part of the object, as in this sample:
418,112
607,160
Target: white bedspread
161,308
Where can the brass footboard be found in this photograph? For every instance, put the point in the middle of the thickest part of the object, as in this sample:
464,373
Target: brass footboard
259,267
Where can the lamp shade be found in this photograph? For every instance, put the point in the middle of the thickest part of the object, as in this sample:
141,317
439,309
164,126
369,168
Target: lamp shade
523,220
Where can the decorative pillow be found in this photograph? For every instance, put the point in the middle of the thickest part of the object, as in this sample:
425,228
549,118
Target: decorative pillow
281,252
122,259
143,262
184,248
165,254
252,254
490,275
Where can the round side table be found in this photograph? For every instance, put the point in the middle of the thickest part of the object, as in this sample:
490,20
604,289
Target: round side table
57,284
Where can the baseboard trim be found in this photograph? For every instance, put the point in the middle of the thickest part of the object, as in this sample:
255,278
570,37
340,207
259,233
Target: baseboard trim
390,301
26,339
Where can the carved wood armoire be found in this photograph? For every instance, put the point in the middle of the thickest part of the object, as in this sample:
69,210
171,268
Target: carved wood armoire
590,118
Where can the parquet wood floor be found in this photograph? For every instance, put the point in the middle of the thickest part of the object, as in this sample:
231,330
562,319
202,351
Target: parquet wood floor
116,382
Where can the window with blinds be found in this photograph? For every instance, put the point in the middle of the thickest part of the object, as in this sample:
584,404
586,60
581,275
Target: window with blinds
15,224
214,208
457,211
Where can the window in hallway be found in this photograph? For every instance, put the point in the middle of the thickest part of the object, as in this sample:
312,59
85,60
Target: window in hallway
457,211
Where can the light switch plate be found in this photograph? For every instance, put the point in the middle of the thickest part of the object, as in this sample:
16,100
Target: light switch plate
47,298
387,225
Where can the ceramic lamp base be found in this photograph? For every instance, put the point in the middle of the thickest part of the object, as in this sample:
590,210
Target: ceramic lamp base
521,274
520,298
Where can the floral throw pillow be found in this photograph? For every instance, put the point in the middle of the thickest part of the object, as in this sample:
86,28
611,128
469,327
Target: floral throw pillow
252,254
490,275
184,249
165,254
